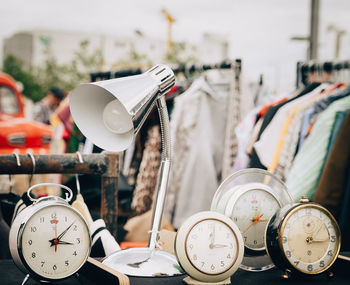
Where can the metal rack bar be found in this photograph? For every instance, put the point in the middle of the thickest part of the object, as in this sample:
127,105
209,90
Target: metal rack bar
106,164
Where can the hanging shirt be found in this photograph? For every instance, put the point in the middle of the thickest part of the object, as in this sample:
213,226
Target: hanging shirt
198,133
308,164
268,142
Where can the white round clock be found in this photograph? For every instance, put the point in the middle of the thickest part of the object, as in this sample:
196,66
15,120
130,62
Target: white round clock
209,247
49,240
250,197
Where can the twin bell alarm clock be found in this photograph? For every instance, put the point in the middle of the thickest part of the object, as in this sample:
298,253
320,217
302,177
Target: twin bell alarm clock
49,240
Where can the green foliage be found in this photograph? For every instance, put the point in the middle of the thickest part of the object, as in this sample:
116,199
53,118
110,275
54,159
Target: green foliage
14,67
177,55
40,79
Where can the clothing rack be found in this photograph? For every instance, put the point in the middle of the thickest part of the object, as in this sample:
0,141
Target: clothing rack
308,72
184,68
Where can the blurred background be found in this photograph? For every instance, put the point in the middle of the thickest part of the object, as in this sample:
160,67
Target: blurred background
113,34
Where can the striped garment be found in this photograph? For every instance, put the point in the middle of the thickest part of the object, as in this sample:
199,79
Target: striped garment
308,164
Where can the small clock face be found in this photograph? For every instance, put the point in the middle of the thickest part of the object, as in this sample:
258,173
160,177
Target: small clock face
310,239
211,246
55,242
251,212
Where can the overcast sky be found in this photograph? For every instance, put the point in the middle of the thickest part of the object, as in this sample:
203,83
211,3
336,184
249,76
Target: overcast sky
259,31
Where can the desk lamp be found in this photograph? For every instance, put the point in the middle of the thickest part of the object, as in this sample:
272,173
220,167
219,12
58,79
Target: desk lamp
110,113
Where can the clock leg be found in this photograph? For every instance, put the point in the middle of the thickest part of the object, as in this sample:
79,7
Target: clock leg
286,274
26,278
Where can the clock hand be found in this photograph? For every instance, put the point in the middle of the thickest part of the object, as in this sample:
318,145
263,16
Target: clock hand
252,224
64,242
64,232
55,240
219,245
260,220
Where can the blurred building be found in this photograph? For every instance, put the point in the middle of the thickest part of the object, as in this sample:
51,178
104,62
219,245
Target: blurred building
32,47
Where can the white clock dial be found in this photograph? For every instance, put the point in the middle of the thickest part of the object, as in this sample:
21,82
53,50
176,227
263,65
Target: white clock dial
211,246
310,239
251,212
55,242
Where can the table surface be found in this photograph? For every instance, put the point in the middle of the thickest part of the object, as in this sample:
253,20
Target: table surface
10,274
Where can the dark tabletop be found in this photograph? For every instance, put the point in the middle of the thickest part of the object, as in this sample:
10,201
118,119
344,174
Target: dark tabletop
10,274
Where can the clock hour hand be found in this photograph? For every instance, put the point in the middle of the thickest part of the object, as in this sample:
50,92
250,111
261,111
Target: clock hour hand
54,242
64,242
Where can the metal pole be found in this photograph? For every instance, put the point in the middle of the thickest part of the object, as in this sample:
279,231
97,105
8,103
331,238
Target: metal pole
314,23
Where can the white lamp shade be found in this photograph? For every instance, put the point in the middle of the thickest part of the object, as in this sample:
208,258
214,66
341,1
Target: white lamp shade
111,112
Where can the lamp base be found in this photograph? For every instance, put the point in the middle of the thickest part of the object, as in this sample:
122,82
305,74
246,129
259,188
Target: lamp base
142,261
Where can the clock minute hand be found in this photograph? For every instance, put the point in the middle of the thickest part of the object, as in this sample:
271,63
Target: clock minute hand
219,245
64,232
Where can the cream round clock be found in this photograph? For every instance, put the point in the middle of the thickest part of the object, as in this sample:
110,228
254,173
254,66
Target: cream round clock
303,239
209,247
250,197
49,240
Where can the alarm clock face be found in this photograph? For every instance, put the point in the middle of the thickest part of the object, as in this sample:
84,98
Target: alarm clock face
209,247
251,212
310,239
54,242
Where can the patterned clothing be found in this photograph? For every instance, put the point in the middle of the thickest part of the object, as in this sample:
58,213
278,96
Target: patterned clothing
148,172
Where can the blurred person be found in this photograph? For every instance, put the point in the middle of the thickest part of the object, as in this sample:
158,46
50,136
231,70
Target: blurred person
45,108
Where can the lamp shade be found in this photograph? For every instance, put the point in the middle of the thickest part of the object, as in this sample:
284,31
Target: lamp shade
111,112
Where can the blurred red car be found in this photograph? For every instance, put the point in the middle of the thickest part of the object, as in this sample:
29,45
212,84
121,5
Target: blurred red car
16,132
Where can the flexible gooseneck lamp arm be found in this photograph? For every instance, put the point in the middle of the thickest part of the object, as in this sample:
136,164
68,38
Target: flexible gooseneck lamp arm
163,174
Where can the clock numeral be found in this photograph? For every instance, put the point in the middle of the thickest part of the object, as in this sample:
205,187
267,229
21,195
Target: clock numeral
212,267
75,227
75,253
33,255
330,253
321,263
235,219
54,267
30,242
42,219
65,219
309,252
203,263
42,263
255,241
78,240
309,267
191,246
333,238
222,264
195,257
284,239
33,229
228,256
288,253
296,263
66,262
53,215
245,239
